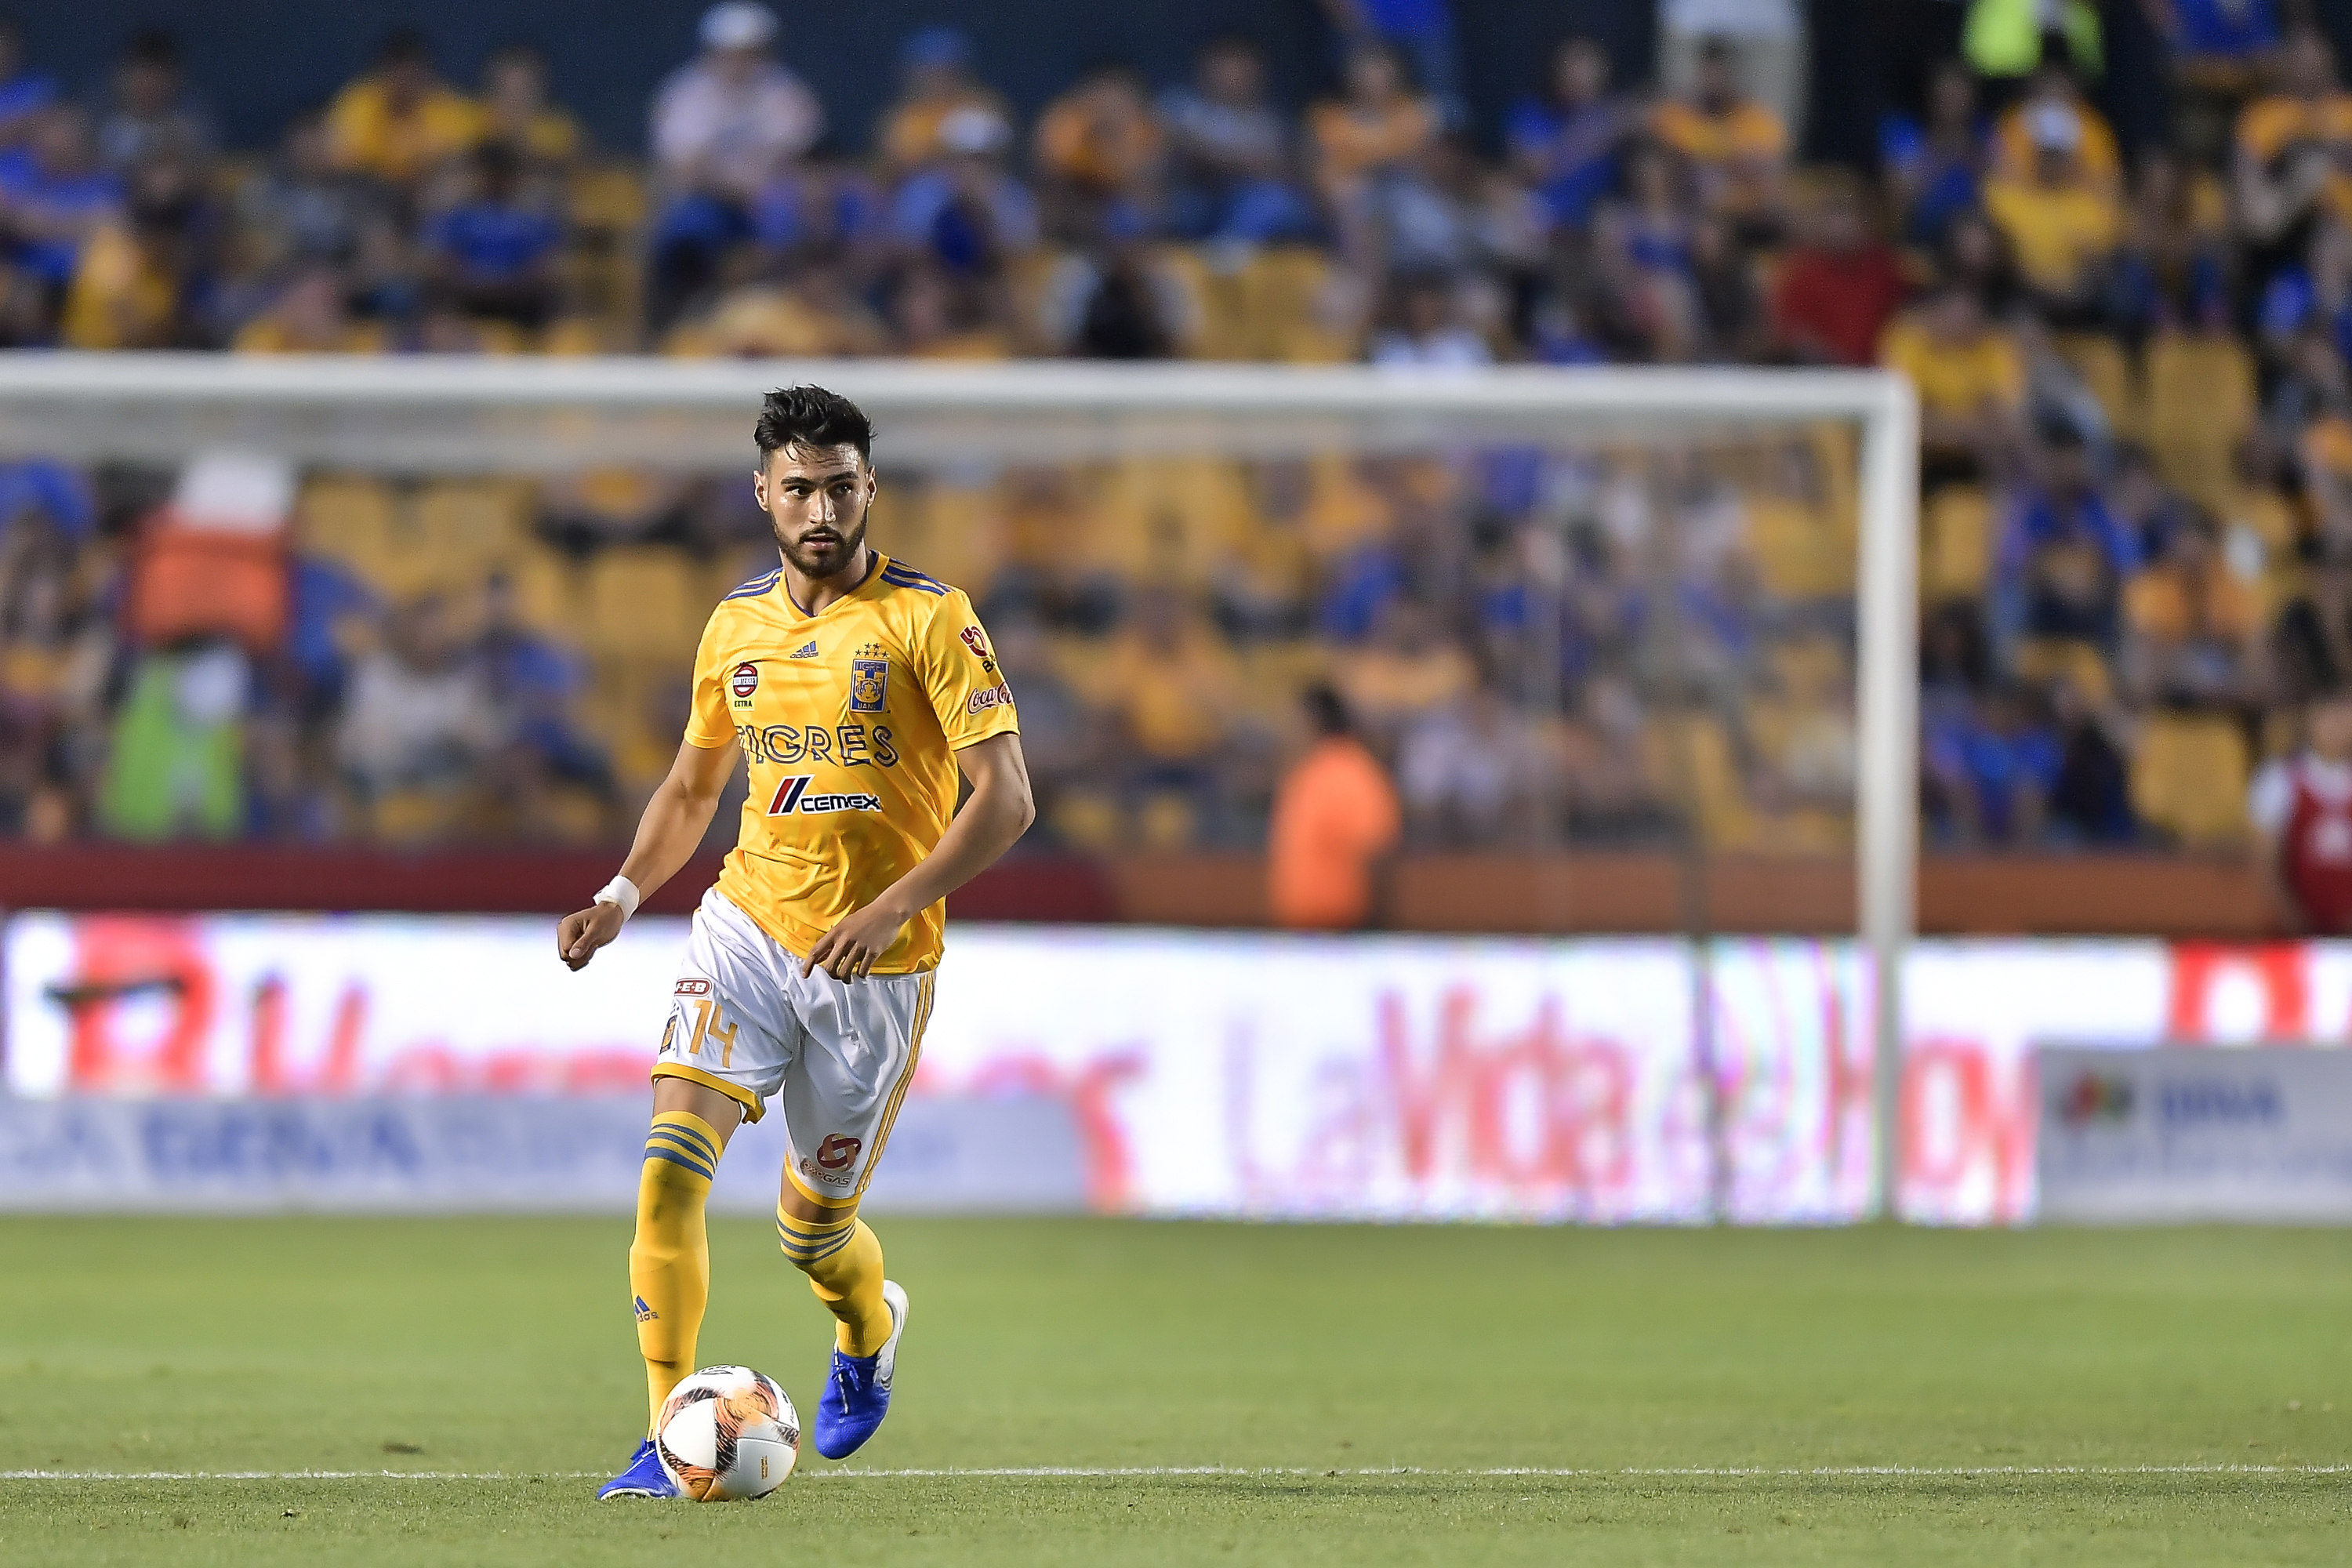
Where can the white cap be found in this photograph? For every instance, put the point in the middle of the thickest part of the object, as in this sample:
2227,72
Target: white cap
738,25
972,129
2054,127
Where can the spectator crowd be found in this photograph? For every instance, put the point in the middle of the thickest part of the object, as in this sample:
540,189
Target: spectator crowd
2132,363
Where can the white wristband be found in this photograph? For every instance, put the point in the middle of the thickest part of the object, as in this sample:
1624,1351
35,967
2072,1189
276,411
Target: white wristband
622,891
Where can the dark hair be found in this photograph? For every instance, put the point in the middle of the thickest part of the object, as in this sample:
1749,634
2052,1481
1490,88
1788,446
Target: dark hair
1326,709
812,417
405,45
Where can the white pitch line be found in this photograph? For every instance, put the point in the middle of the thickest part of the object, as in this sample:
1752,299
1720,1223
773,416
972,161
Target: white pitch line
1079,1472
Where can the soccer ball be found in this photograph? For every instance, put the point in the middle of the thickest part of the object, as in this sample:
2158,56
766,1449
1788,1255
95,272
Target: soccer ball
727,1434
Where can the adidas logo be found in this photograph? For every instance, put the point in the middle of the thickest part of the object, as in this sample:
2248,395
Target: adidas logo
645,1314
806,651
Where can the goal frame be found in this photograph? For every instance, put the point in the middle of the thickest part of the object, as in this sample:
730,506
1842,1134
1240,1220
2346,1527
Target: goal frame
448,413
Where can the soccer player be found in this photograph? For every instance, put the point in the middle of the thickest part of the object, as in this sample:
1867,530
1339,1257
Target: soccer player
857,688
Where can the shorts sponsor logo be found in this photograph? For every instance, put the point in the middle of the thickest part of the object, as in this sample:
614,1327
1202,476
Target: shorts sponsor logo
869,685
810,1169
793,797
837,1151
743,682
693,988
997,696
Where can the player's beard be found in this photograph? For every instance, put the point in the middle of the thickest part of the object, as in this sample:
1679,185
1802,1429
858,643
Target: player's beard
833,561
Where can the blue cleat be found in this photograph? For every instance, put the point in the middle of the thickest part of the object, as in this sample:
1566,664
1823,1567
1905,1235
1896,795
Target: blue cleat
858,1395
644,1478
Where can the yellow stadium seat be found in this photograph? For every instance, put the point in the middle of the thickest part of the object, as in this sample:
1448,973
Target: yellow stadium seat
1690,758
351,519
1288,310
2189,779
548,592
643,601
1172,520
474,520
2043,659
2105,369
1222,316
2200,407
606,197
1799,548
1957,554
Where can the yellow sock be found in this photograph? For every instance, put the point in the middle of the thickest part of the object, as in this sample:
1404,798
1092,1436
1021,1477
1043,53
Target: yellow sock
843,1260
669,1261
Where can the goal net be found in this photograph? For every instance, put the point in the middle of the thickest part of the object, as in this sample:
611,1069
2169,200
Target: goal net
1638,646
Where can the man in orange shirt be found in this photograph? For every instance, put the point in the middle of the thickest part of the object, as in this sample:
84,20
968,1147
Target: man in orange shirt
1335,816
2294,147
1734,146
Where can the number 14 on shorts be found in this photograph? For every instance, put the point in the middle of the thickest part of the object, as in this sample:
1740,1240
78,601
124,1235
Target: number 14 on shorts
694,1002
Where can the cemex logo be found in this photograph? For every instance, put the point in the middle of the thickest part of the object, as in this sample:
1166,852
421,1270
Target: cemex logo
792,795
2095,1096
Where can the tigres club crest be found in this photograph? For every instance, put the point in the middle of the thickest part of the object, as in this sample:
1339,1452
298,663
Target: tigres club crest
869,684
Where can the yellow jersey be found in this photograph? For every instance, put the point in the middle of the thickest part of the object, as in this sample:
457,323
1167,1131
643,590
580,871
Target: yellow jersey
850,719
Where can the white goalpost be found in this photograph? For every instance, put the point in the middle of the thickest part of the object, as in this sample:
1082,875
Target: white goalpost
451,416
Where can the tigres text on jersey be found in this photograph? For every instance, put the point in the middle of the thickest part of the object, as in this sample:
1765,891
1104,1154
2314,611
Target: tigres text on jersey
850,719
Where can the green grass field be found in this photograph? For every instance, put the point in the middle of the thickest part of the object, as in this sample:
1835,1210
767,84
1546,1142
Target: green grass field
1874,1395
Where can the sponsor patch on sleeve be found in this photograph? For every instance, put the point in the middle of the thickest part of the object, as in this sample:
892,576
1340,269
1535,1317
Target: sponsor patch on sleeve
997,696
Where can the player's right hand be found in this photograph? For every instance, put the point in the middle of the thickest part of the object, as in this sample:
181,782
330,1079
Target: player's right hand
578,936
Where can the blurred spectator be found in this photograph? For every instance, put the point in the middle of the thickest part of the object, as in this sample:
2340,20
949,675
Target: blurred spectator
1565,141
2301,808
173,766
516,114
54,195
310,315
2195,626
529,683
2293,155
1835,291
2174,271
2315,295
1229,166
1425,331
1935,168
821,209
935,316
399,122
2090,797
1408,668
1335,817
2061,226
151,114
965,212
302,207
1990,772
723,125
419,714
1421,32
2054,95
1116,302
1099,152
1969,375
2065,555
1176,687
935,81
1643,255
1473,775
135,277
1728,319
816,314
2219,44
2313,638
1736,147
492,255
1368,140
24,92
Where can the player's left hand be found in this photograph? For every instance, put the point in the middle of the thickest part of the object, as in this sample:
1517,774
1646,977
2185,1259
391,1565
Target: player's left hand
850,950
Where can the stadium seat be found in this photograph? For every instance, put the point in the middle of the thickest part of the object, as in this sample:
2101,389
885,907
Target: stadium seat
1220,303
1956,550
1172,519
2201,406
2106,370
471,523
1691,760
2041,660
643,601
2189,779
1799,548
548,590
1287,307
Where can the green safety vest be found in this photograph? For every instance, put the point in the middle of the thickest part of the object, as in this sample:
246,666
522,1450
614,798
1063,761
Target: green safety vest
2004,37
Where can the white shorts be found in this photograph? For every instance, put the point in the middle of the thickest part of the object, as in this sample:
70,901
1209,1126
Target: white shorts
744,1021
